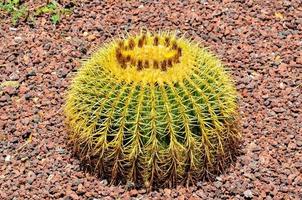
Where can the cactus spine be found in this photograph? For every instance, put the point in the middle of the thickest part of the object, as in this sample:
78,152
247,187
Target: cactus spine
153,109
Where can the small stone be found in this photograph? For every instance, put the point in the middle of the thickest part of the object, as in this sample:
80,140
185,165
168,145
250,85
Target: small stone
249,175
282,68
26,59
81,189
50,145
218,178
25,121
7,158
292,145
182,197
63,73
142,191
3,195
3,137
13,29
35,99
133,193
23,89
254,147
129,185
18,39
60,150
104,182
266,96
245,124
31,177
192,198
199,184
14,77
167,192
201,194
91,37
85,34
47,46
279,110
10,90
251,85
72,194
50,177
4,98
299,59
31,73
217,184
267,102
27,96
88,194
248,194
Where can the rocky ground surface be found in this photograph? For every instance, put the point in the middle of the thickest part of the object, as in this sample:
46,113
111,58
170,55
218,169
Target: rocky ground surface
260,41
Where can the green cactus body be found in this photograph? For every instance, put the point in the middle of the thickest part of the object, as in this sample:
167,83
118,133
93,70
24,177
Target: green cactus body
153,109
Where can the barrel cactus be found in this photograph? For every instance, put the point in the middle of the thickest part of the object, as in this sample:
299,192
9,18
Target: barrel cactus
154,109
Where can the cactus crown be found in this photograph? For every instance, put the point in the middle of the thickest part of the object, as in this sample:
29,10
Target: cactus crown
149,58
153,109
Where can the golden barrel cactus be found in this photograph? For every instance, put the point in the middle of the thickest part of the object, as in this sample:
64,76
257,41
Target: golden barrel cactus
153,109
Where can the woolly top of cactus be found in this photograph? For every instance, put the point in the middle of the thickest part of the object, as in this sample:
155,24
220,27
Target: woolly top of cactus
150,58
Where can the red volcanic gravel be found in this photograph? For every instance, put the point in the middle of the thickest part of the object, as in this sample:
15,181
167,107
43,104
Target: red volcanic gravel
260,41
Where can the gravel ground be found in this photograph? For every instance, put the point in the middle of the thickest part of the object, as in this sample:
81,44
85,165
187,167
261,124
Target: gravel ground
260,41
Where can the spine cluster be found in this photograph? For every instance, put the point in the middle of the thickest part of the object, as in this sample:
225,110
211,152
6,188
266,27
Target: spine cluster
125,59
